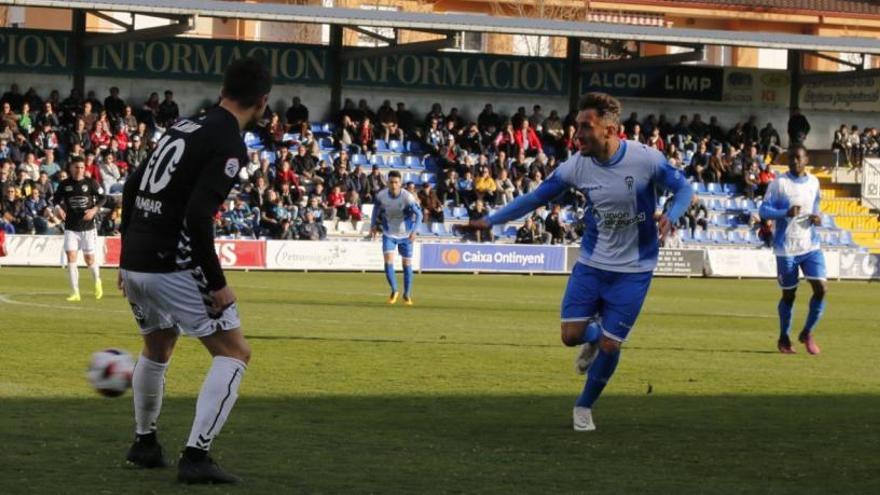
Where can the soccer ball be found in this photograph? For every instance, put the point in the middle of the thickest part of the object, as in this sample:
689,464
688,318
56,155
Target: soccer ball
110,372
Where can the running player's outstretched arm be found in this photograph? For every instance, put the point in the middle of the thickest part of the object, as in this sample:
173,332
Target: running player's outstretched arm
774,206
549,189
211,189
671,179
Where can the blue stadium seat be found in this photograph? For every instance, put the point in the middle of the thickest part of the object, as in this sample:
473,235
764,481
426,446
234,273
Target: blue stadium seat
430,162
396,146
460,212
732,189
359,159
382,146
328,127
846,238
325,143
411,161
268,155
828,221
510,231
252,141
414,147
316,127
714,189
700,236
394,161
289,136
422,229
377,160
498,230
429,177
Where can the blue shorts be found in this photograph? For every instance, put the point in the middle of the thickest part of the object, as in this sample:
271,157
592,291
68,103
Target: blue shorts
812,264
403,246
616,297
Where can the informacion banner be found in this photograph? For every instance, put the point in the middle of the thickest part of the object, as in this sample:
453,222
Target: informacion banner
680,262
681,82
329,255
512,258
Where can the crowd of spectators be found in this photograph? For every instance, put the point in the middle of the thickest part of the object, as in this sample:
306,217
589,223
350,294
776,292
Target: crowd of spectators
852,145
295,183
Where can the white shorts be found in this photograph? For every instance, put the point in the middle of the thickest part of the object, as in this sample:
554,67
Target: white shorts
177,300
85,241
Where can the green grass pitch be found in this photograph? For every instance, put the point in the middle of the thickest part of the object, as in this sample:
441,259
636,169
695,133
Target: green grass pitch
469,391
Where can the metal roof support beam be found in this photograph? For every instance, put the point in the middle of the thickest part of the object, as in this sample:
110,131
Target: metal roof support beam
573,56
404,49
375,36
640,62
113,20
336,50
855,65
184,24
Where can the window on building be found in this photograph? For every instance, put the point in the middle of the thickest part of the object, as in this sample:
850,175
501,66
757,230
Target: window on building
367,41
531,46
467,41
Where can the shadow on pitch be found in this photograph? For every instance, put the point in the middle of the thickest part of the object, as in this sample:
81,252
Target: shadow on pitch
465,444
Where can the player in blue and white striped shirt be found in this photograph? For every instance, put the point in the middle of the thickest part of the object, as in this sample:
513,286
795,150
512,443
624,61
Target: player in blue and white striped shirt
620,245
792,202
399,213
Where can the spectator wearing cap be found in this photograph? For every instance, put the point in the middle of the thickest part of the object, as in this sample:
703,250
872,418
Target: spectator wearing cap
296,115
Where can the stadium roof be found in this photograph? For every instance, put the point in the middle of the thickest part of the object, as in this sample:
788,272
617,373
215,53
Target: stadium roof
835,7
465,22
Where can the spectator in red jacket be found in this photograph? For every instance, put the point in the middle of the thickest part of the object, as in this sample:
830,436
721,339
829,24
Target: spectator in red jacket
285,174
527,140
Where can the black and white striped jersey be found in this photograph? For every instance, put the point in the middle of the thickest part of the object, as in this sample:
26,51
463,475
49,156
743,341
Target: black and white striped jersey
170,201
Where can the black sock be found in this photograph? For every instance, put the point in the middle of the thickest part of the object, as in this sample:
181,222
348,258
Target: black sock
147,439
194,454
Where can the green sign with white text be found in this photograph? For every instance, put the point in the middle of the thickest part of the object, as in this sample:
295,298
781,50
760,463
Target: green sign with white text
23,50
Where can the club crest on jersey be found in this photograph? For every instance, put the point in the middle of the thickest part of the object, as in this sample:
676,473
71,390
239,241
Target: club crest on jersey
629,182
84,188
232,167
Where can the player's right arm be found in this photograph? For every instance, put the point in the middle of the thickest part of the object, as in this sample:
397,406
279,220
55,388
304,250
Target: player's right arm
775,206
374,221
549,189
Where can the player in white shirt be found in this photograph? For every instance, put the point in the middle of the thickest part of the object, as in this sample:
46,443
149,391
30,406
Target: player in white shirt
399,213
792,202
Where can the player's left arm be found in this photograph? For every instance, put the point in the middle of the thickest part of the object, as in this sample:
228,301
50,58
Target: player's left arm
416,209
671,179
211,188
816,214
100,200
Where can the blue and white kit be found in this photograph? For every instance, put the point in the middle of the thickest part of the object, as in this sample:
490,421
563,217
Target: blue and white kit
399,216
795,240
620,245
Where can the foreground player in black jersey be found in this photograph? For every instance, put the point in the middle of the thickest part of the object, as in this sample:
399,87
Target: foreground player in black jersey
170,272
78,200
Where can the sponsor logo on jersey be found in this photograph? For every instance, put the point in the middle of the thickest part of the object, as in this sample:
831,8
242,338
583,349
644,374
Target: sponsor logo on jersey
232,167
629,182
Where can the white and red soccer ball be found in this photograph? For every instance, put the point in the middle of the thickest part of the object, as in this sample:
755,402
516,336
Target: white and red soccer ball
110,372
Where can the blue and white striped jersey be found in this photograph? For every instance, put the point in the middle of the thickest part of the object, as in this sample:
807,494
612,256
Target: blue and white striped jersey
621,232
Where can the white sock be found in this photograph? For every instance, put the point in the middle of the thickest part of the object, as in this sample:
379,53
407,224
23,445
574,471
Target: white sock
148,386
96,274
73,275
216,399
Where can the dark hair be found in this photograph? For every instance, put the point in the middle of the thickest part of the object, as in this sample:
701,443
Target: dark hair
246,81
606,106
76,159
394,174
793,151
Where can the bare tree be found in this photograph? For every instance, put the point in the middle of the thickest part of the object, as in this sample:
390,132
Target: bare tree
567,10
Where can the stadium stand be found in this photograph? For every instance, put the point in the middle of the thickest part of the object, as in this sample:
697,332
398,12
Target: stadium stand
331,169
